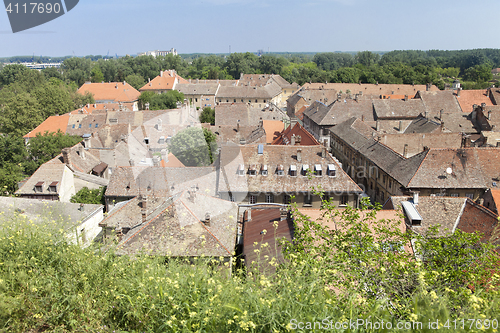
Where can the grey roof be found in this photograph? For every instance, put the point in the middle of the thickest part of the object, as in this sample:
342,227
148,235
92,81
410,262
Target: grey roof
63,215
317,112
48,173
400,168
422,125
417,142
179,230
339,111
244,114
197,89
274,156
396,108
267,91
443,212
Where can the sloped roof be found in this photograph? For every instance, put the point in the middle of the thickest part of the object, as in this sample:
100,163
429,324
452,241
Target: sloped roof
179,230
416,142
173,162
340,111
317,112
468,98
372,89
422,125
400,168
112,91
285,137
197,89
52,124
267,91
435,101
244,114
273,156
396,108
471,168
48,173
443,212
273,128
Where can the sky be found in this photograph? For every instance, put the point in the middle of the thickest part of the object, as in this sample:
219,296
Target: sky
213,26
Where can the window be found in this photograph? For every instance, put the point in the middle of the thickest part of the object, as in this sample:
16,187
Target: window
269,198
39,187
241,170
344,200
256,102
146,141
73,126
264,170
90,125
235,100
318,171
53,187
80,126
287,199
196,99
305,167
307,200
470,195
280,171
390,183
96,125
453,194
242,100
253,170
252,199
293,170
331,170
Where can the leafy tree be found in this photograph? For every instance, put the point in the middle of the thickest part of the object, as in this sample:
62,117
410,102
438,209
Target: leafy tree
77,70
9,73
190,147
45,147
367,58
210,139
207,115
20,112
12,158
135,81
51,72
88,196
163,101
96,74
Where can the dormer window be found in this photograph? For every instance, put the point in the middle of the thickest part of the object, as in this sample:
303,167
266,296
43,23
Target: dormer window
264,170
293,170
280,170
252,171
241,170
146,141
39,187
317,170
53,187
305,167
332,172
162,140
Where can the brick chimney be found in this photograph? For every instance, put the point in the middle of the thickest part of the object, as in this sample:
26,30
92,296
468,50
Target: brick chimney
299,155
206,221
66,156
323,152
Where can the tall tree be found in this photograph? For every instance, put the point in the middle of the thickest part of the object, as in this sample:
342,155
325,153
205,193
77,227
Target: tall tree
190,147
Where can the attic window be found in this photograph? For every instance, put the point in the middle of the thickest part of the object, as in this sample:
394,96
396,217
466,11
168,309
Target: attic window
241,170
305,167
317,170
264,170
293,170
53,187
332,172
39,187
253,170
146,141
280,171
162,140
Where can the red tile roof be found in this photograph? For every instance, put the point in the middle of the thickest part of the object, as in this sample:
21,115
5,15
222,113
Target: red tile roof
172,162
165,81
273,128
468,98
285,136
112,91
51,124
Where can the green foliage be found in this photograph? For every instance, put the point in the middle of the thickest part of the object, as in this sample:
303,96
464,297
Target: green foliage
190,147
96,74
135,81
162,101
12,158
9,73
88,196
210,139
207,115
43,148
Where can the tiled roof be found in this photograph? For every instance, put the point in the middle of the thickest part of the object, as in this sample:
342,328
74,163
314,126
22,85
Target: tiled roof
317,112
66,215
478,218
468,98
422,125
273,128
52,124
268,91
244,114
274,157
261,79
112,91
371,89
230,133
389,108
435,101
285,137
444,212
340,111
400,168
47,174
197,89
173,162
300,113
470,168
416,142
179,229
85,124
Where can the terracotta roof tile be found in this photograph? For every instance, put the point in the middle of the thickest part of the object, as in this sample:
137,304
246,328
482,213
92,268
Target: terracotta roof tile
112,91
52,124
468,98
285,137
273,128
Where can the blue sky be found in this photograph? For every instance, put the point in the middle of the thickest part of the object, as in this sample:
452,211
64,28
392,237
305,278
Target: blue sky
210,26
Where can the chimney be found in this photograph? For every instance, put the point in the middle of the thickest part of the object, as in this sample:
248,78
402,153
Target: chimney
458,92
159,126
489,115
426,114
293,140
161,73
261,122
81,150
149,79
378,125
131,162
400,126
116,86
293,121
299,155
428,87
323,152
415,198
406,98
405,151
66,156
206,221
238,126
143,215
362,117
119,233
441,115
